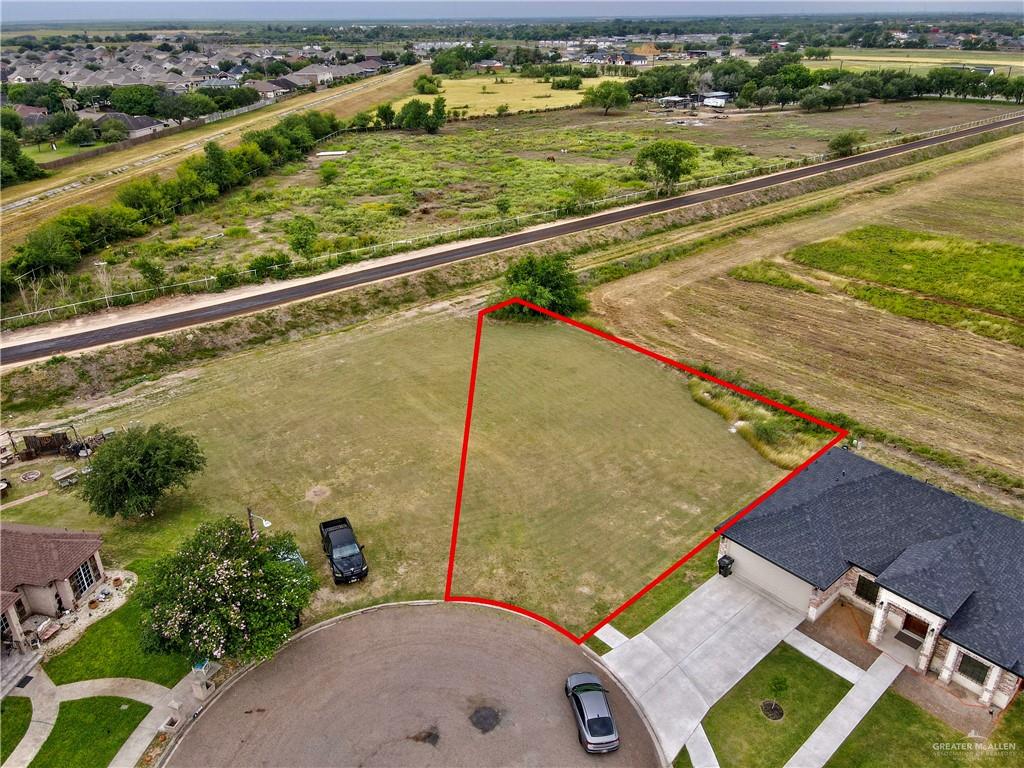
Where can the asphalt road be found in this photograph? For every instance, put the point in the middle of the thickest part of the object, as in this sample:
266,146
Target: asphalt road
138,328
398,686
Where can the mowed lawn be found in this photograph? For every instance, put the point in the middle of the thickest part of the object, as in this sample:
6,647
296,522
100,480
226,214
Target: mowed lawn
369,424
740,733
591,469
482,94
89,732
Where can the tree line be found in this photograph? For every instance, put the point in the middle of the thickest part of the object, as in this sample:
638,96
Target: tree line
780,78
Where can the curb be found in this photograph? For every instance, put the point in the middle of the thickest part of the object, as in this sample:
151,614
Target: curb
176,738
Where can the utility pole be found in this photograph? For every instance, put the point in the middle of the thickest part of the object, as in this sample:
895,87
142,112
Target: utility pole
252,526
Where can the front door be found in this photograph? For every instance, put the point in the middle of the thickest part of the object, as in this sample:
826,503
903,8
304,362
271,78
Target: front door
915,626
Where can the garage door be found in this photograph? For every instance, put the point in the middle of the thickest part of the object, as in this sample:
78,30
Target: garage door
769,578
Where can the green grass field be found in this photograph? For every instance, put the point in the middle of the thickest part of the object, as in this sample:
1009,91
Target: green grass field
43,153
15,716
391,187
743,737
575,499
985,276
931,277
898,731
369,424
89,732
112,647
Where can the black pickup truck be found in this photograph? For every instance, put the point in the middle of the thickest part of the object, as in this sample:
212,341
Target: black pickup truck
344,553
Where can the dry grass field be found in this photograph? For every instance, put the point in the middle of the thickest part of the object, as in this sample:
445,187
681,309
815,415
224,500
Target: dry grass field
590,470
941,386
919,61
482,94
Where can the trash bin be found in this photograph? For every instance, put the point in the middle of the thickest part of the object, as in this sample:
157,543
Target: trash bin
725,565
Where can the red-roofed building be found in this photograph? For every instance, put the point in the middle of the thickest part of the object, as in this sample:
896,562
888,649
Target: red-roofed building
44,571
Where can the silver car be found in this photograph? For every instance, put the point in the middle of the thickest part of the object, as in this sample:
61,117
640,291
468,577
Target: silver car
589,701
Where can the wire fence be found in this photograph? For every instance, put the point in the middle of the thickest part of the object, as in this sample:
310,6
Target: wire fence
494,227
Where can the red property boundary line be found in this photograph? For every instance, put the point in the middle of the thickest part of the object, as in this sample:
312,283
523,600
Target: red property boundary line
449,597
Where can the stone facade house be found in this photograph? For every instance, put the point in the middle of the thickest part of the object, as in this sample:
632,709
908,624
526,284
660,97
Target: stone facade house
942,577
44,571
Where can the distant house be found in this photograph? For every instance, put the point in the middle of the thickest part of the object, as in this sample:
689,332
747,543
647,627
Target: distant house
290,83
633,59
267,89
488,65
224,82
44,571
24,110
137,125
941,577
321,73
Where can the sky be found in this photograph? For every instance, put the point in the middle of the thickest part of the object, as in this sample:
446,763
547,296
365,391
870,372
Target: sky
25,11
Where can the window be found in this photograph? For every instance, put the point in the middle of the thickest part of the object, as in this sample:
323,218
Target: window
866,589
973,669
5,627
82,578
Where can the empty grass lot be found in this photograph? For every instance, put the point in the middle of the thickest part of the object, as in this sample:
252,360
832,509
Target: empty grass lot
369,424
482,94
576,499
112,647
15,716
743,737
89,732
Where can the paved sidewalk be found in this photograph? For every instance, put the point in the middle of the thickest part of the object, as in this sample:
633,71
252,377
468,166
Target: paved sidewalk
610,636
841,721
828,658
689,658
46,698
702,754
45,705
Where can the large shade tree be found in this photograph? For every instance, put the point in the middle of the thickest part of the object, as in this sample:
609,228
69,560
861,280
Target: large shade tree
547,281
133,470
225,593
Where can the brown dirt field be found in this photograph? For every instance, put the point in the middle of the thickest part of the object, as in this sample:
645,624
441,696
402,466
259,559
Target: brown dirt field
939,386
172,150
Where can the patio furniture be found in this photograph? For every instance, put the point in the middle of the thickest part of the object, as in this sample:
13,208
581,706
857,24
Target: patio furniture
65,478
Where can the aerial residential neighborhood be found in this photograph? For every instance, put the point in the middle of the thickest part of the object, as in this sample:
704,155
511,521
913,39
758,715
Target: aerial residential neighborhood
494,384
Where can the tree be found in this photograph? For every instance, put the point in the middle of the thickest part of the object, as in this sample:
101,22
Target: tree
225,594
668,160
135,99
846,143
608,95
438,115
10,121
386,115
546,281
84,132
413,114
302,234
35,134
218,168
61,123
113,131
762,97
777,686
133,470
15,165
501,110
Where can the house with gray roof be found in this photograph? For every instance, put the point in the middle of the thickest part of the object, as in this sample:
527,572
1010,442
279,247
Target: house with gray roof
942,577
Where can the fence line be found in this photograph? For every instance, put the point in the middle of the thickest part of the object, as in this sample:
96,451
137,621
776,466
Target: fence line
210,282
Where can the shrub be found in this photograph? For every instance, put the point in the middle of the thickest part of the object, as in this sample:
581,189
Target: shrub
225,593
546,281
846,143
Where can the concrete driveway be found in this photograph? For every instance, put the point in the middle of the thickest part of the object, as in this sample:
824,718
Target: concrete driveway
436,685
689,658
